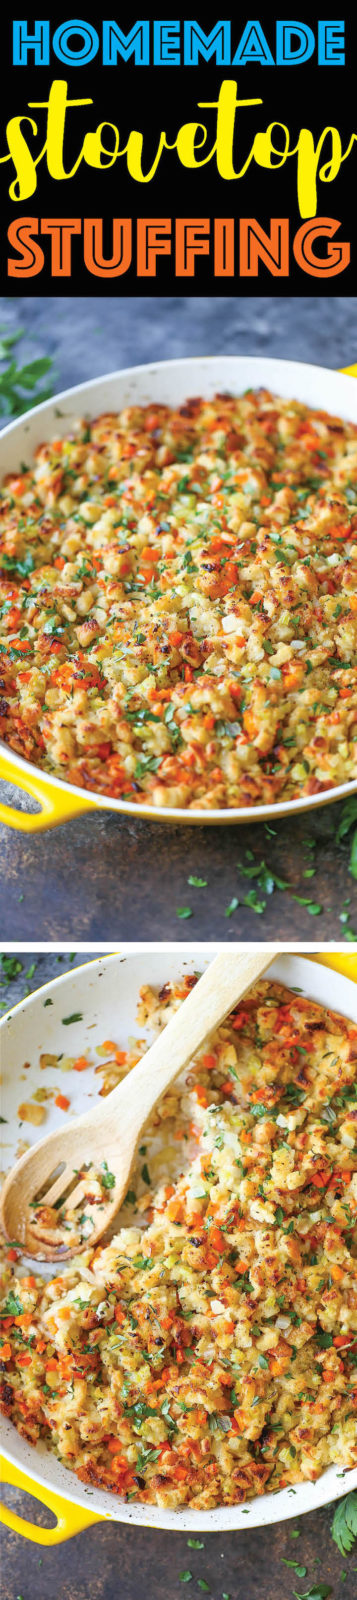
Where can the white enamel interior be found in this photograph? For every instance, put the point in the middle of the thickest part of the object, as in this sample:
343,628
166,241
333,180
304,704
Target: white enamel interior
106,993
172,382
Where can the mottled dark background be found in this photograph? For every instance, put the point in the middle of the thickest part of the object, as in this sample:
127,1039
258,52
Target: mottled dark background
103,877
115,1562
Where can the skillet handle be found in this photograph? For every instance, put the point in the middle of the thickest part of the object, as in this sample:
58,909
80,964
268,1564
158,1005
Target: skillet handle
346,964
70,1519
56,805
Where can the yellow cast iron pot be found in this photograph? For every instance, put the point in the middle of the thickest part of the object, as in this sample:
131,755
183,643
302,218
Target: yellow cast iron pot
170,382
73,1518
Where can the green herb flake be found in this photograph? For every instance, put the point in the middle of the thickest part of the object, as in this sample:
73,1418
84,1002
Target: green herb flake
233,906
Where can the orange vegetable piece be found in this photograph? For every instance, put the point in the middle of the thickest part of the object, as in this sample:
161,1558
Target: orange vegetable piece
114,1446
217,1240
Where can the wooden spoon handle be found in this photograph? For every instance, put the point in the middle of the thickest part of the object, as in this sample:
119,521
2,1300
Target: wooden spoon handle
220,988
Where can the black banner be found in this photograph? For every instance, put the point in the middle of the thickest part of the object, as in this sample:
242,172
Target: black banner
197,156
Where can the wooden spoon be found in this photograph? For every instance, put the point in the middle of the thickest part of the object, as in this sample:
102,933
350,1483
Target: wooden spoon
54,1173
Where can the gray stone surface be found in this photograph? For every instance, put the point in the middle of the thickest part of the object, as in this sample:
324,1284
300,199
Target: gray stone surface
88,336
103,878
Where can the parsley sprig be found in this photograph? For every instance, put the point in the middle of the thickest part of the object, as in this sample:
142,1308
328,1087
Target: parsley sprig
19,385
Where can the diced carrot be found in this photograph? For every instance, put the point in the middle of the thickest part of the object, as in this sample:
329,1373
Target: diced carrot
175,1210
217,1240
104,750
342,532
208,1062
80,1064
336,1273
5,1352
239,1020
24,1361
151,554
62,1101
340,1340
180,1357
12,1255
293,674
175,638
328,1375
119,1314
278,1365
201,1094
51,1365
115,1447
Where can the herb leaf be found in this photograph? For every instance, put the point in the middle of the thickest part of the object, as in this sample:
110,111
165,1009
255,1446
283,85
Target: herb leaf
344,1526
